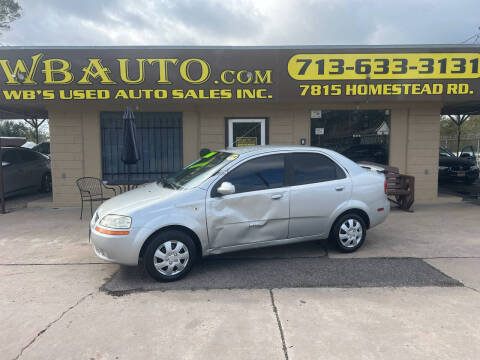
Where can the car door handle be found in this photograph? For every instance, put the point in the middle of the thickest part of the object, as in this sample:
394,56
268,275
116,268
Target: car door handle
277,196
340,188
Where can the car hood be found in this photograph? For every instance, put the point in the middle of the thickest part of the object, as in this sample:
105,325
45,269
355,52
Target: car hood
130,201
454,161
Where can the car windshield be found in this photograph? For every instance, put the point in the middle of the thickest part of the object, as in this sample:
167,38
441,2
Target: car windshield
197,172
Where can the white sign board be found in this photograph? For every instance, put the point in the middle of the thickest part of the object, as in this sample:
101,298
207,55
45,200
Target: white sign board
319,131
316,114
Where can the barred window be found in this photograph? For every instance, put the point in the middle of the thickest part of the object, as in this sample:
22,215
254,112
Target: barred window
160,143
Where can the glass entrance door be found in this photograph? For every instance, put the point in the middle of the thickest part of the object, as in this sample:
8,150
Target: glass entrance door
361,135
246,132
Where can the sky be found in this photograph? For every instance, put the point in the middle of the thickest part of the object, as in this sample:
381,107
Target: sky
243,22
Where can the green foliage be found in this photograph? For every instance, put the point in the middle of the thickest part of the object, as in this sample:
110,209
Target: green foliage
21,129
10,11
471,127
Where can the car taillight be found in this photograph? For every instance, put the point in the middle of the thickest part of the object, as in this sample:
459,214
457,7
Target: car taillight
385,186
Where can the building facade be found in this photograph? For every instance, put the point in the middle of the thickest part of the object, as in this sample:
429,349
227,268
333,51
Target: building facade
378,103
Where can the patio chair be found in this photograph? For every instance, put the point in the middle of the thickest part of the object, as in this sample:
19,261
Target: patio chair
91,189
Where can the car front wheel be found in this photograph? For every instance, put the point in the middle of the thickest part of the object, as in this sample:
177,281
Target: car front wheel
349,232
169,256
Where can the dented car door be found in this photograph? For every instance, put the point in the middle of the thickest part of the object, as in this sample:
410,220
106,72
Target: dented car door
258,211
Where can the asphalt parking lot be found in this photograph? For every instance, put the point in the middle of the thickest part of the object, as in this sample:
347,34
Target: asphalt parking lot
288,272
412,292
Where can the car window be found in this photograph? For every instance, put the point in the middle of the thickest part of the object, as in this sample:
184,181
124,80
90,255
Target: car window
467,151
266,172
311,168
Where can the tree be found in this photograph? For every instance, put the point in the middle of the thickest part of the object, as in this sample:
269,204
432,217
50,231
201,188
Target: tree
10,11
459,120
20,129
35,124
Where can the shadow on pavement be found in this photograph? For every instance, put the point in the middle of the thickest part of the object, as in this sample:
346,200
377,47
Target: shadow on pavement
16,202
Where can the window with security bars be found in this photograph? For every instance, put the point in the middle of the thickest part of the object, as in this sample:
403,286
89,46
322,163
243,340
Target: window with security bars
160,143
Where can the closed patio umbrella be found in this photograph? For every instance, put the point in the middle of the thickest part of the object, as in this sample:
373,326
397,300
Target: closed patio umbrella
130,153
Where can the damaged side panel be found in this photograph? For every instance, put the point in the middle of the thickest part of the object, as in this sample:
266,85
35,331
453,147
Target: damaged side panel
249,217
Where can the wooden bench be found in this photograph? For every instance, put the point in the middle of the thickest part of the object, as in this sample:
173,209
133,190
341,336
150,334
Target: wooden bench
400,187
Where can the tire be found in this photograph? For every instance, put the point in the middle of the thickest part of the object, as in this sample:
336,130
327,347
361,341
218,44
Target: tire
177,264
46,184
347,240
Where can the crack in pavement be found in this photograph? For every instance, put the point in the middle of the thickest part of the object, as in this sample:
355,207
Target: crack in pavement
50,324
279,324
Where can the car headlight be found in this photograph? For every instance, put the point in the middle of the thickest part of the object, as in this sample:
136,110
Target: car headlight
116,221
474,167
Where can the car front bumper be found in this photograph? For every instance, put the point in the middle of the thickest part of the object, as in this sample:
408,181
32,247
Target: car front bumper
120,249
458,175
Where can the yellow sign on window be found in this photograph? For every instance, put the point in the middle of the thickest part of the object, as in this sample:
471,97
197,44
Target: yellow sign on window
246,141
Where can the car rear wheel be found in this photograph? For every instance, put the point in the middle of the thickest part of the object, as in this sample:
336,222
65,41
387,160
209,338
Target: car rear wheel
169,256
46,185
349,232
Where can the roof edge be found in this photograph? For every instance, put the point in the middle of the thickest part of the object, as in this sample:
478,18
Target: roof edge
266,47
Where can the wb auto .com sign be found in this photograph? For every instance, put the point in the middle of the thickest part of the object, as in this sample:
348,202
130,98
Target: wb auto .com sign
156,75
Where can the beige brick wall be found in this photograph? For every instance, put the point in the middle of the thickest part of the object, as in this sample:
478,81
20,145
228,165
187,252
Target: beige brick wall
76,143
66,145
75,151
422,150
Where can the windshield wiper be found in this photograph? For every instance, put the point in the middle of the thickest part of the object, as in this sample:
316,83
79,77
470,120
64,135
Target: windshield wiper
166,183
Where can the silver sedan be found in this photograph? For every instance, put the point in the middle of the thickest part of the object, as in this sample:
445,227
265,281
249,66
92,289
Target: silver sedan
236,199
25,170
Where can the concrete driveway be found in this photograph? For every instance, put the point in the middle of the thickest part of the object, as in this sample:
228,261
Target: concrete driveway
410,293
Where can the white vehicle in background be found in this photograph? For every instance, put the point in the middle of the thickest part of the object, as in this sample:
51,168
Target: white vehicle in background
236,199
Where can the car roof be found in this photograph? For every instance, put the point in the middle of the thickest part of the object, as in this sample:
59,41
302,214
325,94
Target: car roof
270,148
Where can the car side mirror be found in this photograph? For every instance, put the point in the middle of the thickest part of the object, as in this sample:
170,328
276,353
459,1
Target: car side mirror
226,188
